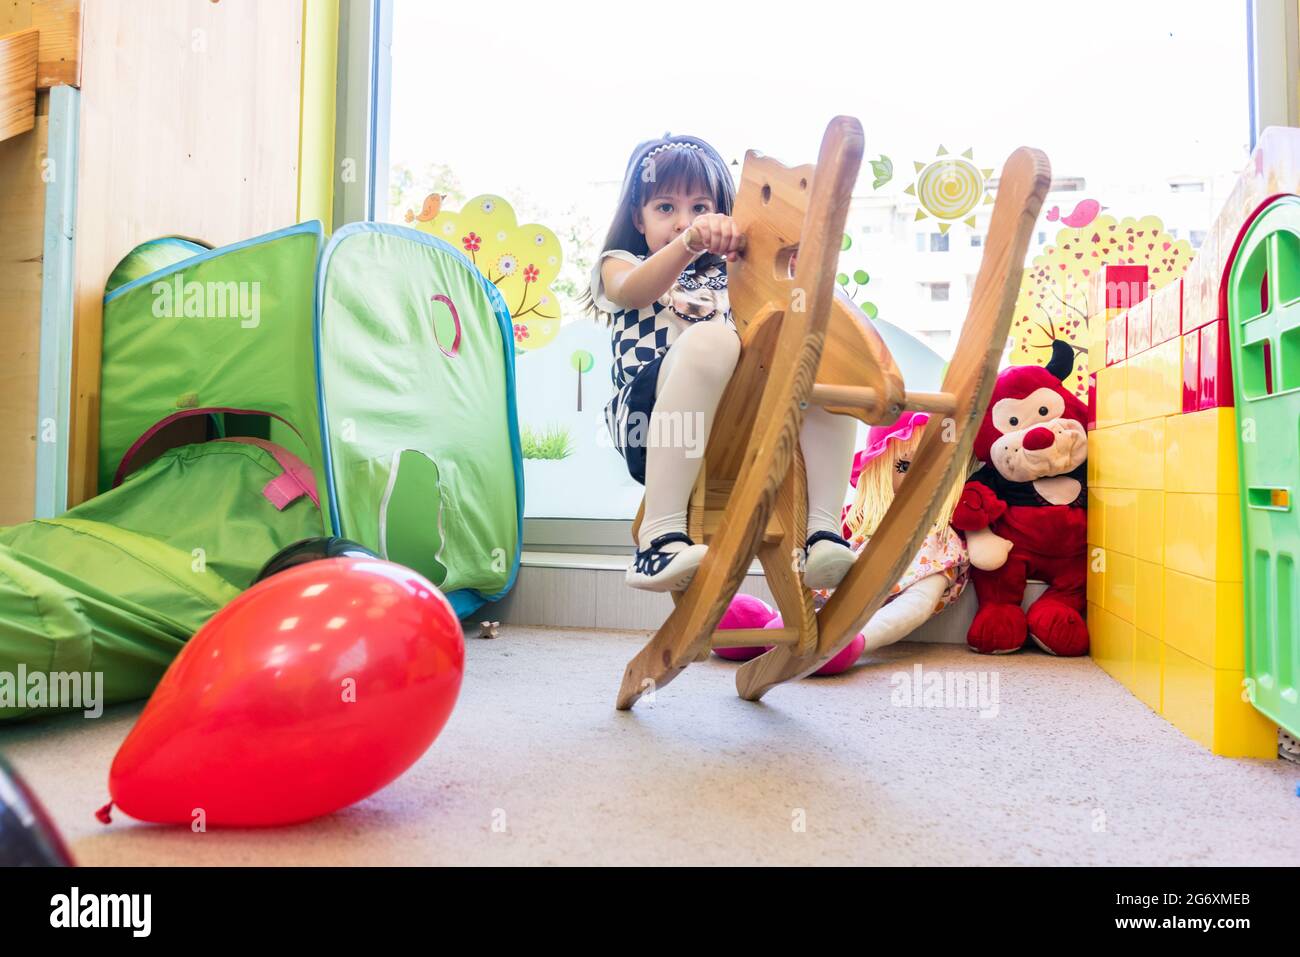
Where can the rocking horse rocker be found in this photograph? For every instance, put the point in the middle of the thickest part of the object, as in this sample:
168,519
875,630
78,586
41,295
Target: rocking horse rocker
804,342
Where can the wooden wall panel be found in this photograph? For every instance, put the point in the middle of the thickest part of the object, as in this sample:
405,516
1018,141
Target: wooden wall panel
22,211
189,125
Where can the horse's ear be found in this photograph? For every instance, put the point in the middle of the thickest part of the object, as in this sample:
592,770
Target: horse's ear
1062,361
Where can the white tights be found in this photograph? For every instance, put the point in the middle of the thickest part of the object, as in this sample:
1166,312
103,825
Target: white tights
692,378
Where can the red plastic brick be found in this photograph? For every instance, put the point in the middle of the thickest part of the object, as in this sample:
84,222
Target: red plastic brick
1192,371
1216,366
1125,286
1167,313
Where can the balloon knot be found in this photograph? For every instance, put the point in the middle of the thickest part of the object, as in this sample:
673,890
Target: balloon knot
104,815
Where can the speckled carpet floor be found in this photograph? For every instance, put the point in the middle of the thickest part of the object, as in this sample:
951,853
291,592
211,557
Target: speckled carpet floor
536,767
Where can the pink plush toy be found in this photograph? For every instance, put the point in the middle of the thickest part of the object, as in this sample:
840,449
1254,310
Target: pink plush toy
746,611
841,662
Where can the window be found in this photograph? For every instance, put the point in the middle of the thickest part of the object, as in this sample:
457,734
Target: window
1067,184
561,162
940,340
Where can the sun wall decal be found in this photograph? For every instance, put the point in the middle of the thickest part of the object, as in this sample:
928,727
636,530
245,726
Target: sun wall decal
949,188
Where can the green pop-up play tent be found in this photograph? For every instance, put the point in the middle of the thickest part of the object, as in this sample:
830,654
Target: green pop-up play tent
257,394
385,363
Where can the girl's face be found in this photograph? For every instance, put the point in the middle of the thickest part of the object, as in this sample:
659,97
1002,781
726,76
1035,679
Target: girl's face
666,216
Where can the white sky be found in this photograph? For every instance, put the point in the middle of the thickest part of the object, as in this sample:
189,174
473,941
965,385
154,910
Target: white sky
549,99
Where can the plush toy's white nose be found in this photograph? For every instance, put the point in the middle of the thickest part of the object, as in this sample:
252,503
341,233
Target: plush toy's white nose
1038,438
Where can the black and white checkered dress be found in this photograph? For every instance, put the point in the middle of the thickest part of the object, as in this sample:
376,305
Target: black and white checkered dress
641,338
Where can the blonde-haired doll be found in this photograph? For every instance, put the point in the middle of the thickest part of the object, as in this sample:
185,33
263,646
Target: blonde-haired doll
938,571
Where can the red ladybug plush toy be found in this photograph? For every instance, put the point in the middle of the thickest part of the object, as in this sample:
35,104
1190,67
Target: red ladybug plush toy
1023,512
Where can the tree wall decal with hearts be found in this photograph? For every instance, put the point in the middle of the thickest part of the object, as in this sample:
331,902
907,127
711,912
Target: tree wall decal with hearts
522,260
1054,301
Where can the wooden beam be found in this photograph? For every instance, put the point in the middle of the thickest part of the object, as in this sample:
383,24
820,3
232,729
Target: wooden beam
936,403
855,397
17,82
22,211
749,637
59,56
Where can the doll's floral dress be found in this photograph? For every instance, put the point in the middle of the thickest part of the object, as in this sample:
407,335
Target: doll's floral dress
941,553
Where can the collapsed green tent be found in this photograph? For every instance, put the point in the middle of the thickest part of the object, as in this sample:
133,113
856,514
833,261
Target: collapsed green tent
109,591
264,392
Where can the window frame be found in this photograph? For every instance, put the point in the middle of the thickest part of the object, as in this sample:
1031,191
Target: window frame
1272,64
364,103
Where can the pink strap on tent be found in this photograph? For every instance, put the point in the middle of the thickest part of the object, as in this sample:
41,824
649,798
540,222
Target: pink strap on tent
295,482
124,467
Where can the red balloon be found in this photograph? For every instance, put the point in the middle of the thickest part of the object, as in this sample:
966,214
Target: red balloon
310,691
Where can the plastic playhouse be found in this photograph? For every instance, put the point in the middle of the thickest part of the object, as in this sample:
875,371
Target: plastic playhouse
1193,468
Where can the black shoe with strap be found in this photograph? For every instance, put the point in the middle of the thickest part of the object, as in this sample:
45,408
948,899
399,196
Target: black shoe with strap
654,569
816,537
831,564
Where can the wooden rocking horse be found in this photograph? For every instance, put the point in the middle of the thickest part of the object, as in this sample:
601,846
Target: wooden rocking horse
803,342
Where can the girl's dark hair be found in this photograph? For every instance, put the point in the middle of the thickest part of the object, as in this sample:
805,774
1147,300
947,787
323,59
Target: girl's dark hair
667,171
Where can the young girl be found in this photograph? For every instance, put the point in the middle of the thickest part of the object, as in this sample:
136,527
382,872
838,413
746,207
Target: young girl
662,283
